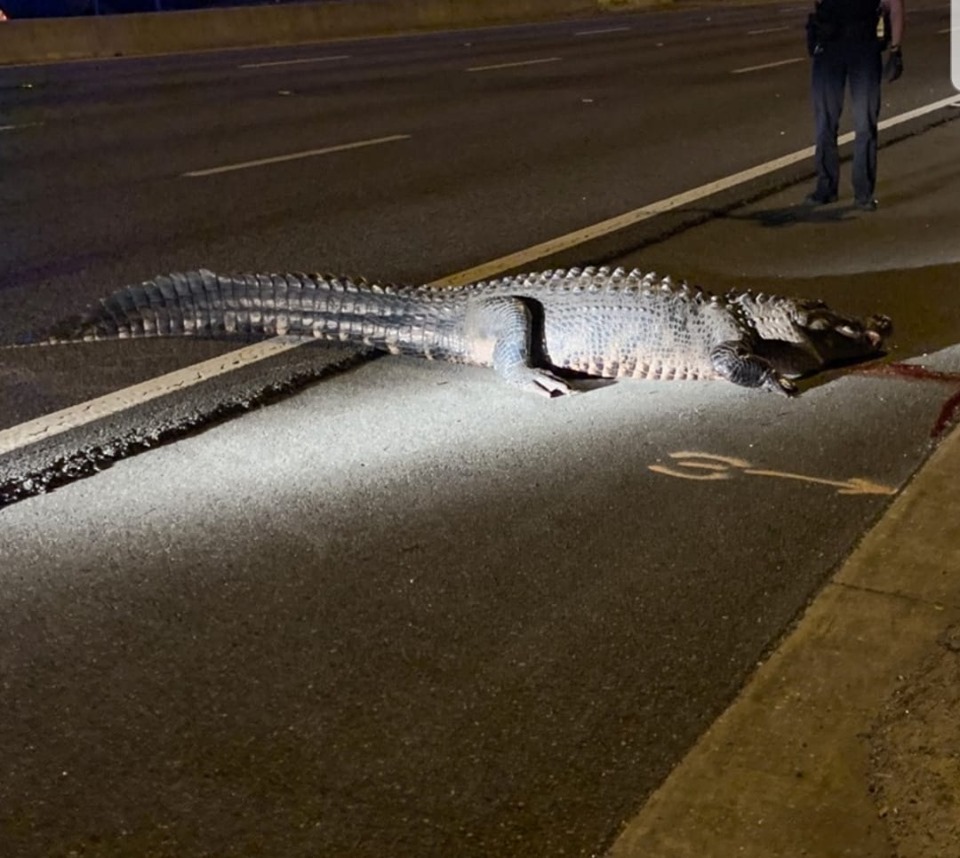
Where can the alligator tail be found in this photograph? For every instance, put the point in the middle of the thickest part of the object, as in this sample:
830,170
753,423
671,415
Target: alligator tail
202,303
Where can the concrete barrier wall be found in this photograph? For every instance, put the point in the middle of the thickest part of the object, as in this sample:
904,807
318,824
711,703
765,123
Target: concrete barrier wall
53,39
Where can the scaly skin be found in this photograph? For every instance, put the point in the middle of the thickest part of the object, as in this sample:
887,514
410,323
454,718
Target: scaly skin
535,330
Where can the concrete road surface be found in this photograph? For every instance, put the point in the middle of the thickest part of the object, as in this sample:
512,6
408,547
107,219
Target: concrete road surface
409,611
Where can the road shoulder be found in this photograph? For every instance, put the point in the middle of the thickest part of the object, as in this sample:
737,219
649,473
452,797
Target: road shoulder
844,741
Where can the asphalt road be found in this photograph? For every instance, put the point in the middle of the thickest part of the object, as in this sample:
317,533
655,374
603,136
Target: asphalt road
408,611
94,191
626,111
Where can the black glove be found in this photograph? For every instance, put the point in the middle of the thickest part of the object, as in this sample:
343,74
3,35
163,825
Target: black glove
819,32
813,36
893,67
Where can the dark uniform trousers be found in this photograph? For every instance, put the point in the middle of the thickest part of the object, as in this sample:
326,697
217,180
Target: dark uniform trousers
857,60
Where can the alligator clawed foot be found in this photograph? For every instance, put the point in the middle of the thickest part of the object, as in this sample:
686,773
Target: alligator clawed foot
778,384
540,381
547,384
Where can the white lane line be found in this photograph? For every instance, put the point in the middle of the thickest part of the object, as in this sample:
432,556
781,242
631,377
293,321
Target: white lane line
309,153
69,418
604,30
514,65
948,30
769,65
767,30
292,62
78,415
18,127
523,258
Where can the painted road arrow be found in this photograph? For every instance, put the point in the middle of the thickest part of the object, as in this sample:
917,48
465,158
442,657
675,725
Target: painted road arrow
709,466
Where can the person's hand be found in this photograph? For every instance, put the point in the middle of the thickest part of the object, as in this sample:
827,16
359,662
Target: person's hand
893,67
813,41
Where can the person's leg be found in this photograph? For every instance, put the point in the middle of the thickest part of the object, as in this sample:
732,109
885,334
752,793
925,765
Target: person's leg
866,66
828,78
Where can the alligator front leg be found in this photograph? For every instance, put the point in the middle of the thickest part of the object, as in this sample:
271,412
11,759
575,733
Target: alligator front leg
499,333
735,361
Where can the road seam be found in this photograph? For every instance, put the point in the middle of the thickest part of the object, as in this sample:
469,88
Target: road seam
861,588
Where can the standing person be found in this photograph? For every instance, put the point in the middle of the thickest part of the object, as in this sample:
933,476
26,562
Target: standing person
843,40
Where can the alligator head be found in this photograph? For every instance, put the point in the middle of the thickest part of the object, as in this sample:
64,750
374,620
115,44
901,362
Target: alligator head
801,336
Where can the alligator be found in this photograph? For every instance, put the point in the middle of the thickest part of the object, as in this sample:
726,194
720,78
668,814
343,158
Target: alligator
538,331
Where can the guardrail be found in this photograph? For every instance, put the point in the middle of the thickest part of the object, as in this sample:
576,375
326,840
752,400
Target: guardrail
40,40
